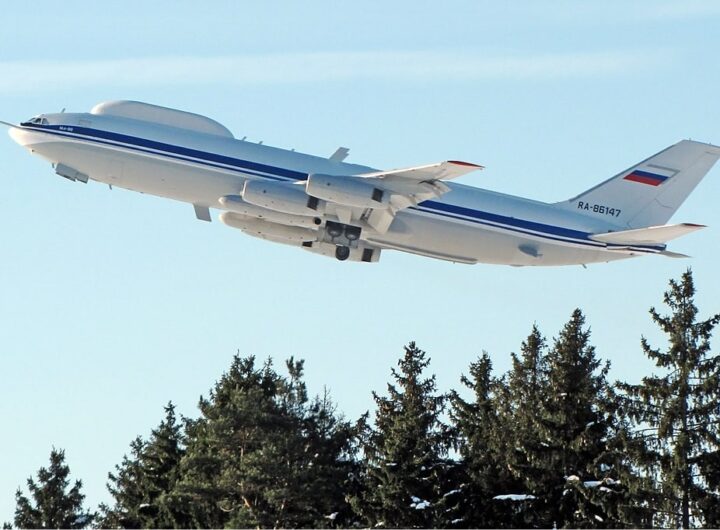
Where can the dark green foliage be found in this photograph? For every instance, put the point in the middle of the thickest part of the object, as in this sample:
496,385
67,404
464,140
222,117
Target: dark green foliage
52,504
548,443
523,401
559,429
481,444
576,428
263,454
632,504
406,469
676,415
141,485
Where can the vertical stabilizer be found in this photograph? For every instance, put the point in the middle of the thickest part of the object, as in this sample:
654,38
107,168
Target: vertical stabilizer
649,193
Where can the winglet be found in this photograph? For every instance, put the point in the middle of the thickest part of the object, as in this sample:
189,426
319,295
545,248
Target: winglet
461,163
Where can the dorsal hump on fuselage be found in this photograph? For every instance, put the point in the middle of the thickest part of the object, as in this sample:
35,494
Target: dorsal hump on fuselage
137,110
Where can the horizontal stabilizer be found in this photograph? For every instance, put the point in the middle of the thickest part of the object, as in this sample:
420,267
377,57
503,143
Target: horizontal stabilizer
669,254
652,235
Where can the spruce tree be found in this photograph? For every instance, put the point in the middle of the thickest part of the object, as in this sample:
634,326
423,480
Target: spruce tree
483,473
141,485
125,486
561,430
636,492
263,454
524,400
52,504
332,476
521,401
405,478
677,414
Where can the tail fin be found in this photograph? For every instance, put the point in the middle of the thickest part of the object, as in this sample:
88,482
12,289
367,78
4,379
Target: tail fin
649,193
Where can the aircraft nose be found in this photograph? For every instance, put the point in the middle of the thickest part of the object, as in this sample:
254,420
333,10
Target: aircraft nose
22,136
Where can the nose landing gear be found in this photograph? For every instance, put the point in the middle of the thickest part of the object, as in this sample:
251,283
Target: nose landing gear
342,252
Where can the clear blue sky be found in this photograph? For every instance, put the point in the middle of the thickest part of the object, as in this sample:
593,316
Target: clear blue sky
113,303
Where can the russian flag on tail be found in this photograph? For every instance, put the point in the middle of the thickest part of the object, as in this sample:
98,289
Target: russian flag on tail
645,177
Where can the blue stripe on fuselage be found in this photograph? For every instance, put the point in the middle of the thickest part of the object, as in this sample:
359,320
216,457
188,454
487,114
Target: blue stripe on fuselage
97,135
446,210
505,220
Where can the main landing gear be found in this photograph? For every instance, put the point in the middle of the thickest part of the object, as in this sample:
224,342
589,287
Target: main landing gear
344,237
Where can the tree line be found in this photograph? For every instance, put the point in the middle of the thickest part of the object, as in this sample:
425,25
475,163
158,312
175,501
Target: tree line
552,442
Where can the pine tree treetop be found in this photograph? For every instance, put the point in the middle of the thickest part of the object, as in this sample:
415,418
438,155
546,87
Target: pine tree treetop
52,504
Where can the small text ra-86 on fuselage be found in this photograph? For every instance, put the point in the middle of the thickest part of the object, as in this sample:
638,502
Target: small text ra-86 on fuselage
353,212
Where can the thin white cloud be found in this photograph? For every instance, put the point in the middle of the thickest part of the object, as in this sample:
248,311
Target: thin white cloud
44,76
620,12
685,9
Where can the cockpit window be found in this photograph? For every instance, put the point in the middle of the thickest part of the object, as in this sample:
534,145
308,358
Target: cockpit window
37,120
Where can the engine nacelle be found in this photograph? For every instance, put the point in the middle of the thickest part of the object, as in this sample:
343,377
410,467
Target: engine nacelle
361,253
235,203
291,235
281,197
348,191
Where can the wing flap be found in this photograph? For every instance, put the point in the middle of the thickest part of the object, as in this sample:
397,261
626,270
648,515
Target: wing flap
447,170
411,186
651,235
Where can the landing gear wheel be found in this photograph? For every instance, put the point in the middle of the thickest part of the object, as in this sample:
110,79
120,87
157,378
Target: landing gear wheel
333,229
352,233
342,253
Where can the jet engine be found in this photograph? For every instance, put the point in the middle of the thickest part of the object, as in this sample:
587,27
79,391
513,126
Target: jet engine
348,191
235,203
282,197
290,235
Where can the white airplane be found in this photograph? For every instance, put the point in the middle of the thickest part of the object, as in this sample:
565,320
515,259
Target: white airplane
352,212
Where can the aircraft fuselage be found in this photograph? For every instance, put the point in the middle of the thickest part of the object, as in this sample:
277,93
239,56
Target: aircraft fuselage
466,224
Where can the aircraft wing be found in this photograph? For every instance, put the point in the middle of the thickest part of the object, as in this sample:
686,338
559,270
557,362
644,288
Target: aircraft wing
447,170
411,186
